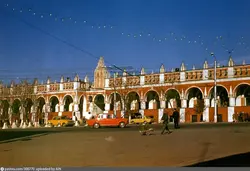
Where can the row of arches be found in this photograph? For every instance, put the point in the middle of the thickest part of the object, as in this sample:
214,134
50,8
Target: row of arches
132,100
173,98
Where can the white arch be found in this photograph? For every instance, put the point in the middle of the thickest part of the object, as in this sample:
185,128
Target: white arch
110,96
99,94
133,91
41,97
187,91
235,88
218,85
83,98
54,96
64,98
145,94
171,88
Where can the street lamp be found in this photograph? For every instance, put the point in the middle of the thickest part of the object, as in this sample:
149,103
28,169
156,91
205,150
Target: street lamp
114,95
215,87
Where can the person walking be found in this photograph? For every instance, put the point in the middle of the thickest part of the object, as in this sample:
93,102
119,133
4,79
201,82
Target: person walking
176,116
164,119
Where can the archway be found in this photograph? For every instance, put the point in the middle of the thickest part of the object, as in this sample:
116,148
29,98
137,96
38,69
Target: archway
28,105
132,101
172,99
80,106
152,100
242,95
194,94
4,110
68,103
41,109
118,101
222,97
99,103
54,104
15,108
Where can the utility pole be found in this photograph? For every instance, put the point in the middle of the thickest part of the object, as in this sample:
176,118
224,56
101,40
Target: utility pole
215,88
114,95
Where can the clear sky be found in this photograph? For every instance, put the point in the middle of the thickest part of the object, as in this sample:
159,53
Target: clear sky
41,38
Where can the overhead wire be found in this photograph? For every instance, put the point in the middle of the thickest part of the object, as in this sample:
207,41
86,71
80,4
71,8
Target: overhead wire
64,41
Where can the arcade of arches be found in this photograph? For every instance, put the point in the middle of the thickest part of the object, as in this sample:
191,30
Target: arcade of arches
148,101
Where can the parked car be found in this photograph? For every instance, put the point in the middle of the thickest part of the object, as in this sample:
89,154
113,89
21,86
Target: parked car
103,120
62,120
138,119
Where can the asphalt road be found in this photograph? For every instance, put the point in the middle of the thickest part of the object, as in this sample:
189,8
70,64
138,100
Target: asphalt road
221,144
11,134
130,127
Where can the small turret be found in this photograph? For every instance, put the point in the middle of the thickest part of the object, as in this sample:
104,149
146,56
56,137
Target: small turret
12,83
86,79
162,69
244,62
183,68
142,71
35,82
48,80
205,65
124,72
230,62
76,78
62,79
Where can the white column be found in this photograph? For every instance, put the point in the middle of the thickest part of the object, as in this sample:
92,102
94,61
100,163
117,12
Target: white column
206,114
207,102
231,101
143,105
142,80
61,110
161,78
163,104
61,87
84,105
160,114
230,113
107,107
182,115
183,103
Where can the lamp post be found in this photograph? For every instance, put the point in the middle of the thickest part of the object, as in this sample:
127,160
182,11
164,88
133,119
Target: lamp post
215,87
114,96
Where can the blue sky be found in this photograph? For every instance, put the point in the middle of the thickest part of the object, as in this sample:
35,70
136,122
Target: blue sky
28,47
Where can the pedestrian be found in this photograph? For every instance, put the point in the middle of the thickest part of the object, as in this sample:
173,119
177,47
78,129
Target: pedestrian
176,116
164,119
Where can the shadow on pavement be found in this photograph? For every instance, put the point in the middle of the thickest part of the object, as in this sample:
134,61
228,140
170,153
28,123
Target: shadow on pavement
238,160
20,135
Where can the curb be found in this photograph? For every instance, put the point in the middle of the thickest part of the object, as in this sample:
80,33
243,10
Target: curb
16,139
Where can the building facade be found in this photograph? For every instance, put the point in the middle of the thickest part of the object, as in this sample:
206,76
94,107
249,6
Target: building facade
150,94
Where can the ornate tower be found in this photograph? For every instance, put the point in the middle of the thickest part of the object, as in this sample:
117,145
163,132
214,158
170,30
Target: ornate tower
100,74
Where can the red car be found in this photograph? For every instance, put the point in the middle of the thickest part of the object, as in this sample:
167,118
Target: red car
107,120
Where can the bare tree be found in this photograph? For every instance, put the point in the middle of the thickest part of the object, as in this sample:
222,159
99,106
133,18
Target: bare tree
4,102
24,91
199,107
121,86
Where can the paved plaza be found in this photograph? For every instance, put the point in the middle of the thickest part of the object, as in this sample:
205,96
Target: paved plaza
66,147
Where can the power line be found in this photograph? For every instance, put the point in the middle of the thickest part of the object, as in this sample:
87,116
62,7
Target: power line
65,42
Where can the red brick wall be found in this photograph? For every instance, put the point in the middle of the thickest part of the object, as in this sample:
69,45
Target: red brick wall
118,113
52,114
221,110
245,109
152,112
188,115
68,114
